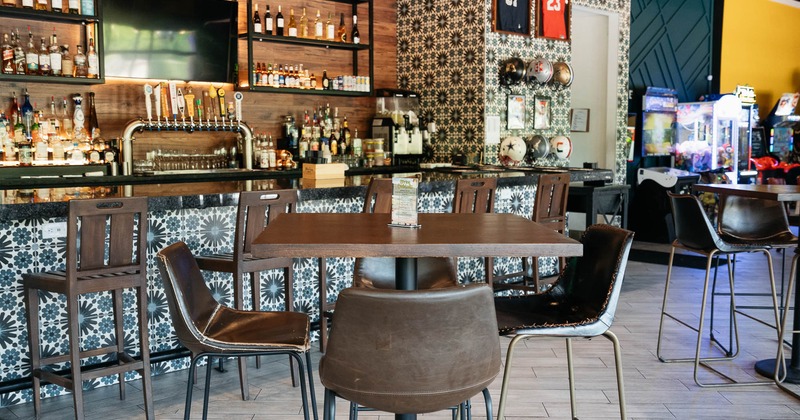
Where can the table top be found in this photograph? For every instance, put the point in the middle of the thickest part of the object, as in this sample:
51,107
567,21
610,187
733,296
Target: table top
310,235
763,191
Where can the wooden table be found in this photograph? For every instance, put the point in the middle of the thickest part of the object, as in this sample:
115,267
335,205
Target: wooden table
778,193
313,235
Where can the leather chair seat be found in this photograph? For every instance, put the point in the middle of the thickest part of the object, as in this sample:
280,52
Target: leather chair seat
527,314
253,331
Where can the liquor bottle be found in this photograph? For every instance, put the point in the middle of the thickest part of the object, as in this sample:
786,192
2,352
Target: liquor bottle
330,30
92,61
67,65
55,55
87,7
94,127
31,56
80,65
318,27
256,21
26,114
303,30
27,4
40,5
57,6
355,36
54,122
40,139
292,24
66,122
268,22
10,3
78,119
45,69
19,55
13,110
325,80
313,81
345,131
341,34
267,81
95,151
25,152
73,6
281,77
8,55
279,22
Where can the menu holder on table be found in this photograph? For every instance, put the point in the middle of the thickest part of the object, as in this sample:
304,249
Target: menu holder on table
404,203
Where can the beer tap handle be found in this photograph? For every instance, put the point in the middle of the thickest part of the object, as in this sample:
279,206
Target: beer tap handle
148,92
238,96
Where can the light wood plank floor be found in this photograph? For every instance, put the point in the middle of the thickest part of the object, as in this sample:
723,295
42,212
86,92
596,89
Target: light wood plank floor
538,389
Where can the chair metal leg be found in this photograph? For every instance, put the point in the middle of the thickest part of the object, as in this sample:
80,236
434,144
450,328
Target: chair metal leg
311,385
243,382
780,360
618,364
506,376
192,378
573,407
487,399
303,390
206,390
329,405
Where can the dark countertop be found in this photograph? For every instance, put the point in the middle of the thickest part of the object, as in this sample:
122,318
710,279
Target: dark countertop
36,199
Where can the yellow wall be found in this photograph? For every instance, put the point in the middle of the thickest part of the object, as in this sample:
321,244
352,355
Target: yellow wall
760,46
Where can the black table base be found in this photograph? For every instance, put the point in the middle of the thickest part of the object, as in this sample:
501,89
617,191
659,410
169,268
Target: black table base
766,368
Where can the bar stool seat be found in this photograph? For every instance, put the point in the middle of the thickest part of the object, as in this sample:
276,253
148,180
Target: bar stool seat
106,244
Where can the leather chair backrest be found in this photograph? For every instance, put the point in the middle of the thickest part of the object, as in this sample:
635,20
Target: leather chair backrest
550,204
379,196
191,304
692,227
413,351
594,280
256,210
475,195
736,218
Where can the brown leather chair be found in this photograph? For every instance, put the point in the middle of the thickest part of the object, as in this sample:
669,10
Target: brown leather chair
694,233
376,272
476,195
207,328
255,210
106,245
581,304
549,209
413,351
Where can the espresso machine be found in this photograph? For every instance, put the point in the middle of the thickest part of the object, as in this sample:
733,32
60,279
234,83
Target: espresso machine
397,122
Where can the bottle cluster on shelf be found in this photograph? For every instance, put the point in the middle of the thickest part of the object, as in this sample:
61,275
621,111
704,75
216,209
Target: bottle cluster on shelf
33,136
303,27
73,7
46,57
294,76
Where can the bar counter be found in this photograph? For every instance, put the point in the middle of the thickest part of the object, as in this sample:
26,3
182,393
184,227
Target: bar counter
200,210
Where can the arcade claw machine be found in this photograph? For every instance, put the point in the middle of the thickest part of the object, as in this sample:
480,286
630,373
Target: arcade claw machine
658,121
707,136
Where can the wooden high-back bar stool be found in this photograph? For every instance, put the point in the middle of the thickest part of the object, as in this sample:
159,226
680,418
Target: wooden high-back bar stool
476,195
106,248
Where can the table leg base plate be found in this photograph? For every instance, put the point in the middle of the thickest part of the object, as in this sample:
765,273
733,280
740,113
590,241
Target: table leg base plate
767,368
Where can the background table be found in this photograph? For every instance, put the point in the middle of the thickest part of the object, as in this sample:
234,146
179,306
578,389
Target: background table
778,193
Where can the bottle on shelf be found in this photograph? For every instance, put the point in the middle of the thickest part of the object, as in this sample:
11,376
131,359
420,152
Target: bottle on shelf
40,5
87,7
256,20
80,65
318,27
25,151
268,22
67,65
57,6
354,35
9,3
292,24
27,4
341,34
45,69
92,61
94,127
55,55
20,66
74,6
303,30
26,114
8,55
279,22
330,30
325,80
40,136
31,56
67,130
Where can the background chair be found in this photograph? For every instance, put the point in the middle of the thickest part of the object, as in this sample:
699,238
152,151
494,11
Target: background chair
549,209
476,195
581,303
376,272
444,348
694,233
208,328
106,245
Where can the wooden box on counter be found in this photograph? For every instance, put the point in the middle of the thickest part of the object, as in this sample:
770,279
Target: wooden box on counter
324,171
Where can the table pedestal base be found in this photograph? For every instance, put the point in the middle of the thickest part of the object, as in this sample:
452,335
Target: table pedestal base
766,368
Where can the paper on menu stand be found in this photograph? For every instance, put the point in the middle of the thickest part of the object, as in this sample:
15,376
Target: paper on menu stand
404,202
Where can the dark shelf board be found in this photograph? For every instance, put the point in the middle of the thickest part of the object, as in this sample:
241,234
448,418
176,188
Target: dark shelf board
306,91
51,79
45,15
307,42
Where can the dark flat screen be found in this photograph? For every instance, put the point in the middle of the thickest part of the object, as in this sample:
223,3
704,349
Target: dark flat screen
170,39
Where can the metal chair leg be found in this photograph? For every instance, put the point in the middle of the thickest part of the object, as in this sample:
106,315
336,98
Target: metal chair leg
192,371
487,399
311,385
506,376
571,373
780,360
208,386
329,405
618,364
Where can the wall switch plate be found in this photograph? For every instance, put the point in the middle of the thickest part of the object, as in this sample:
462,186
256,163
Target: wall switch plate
54,230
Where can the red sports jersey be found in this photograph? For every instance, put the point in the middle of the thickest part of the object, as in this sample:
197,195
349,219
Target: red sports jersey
553,19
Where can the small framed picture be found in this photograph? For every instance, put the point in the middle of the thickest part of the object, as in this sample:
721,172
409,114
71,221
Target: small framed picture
553,19
541,113
511,17
516,112
579,120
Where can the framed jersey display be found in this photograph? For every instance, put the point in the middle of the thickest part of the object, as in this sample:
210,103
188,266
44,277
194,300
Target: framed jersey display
553,19
511,16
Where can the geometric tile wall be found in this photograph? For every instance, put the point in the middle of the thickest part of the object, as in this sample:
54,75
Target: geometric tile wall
205,230
447,52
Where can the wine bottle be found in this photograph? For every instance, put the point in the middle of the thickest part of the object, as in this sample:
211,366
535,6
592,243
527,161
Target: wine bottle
256,21
268,22
292,24
330,30
341,34
55,55
92,61
44,59
79,61
31,56
354,34
279,22
318,28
